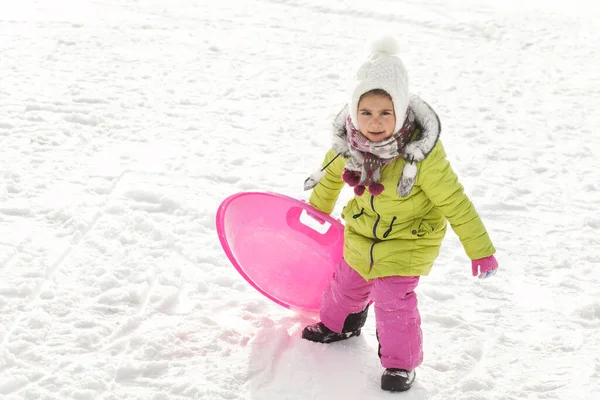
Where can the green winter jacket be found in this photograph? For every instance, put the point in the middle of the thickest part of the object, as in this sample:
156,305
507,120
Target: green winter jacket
394,235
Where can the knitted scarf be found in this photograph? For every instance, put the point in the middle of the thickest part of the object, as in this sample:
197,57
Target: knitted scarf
363,168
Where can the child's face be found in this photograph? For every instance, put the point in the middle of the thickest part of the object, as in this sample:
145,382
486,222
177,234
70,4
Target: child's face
376,117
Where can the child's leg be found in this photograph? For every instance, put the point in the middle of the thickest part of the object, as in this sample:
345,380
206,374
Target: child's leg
398,322
348,293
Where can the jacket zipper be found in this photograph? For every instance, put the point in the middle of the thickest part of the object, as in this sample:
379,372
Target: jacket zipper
374,231
378,217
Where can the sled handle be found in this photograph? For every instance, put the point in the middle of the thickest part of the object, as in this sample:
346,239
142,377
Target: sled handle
293,219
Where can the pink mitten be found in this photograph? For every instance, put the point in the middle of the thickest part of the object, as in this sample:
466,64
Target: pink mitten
485,267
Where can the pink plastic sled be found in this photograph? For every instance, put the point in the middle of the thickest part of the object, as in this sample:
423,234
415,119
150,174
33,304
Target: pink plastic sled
276,245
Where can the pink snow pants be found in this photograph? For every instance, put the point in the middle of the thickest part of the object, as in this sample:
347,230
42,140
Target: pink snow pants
397,318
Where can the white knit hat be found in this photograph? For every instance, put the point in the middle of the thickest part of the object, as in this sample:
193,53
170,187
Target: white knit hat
383,70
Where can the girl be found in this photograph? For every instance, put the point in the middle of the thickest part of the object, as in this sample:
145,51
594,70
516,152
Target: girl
386,145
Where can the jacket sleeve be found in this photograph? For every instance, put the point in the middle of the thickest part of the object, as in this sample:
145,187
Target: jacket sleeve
325,194
441,185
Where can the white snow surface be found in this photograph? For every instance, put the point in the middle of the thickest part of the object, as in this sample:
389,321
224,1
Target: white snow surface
125,123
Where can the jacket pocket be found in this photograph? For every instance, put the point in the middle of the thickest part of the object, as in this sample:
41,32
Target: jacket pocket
425,228
359,214
390,228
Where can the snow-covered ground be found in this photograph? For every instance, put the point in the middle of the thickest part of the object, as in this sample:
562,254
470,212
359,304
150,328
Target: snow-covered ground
125,123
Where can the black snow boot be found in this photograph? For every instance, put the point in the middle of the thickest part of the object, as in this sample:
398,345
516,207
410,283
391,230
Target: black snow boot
321,334
397,380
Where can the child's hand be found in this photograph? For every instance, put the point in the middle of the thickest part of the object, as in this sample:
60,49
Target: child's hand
485,267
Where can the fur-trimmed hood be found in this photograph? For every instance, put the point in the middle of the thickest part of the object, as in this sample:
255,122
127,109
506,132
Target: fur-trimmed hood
427,121
428,124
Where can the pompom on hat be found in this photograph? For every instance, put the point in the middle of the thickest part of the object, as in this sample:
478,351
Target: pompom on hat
383,70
